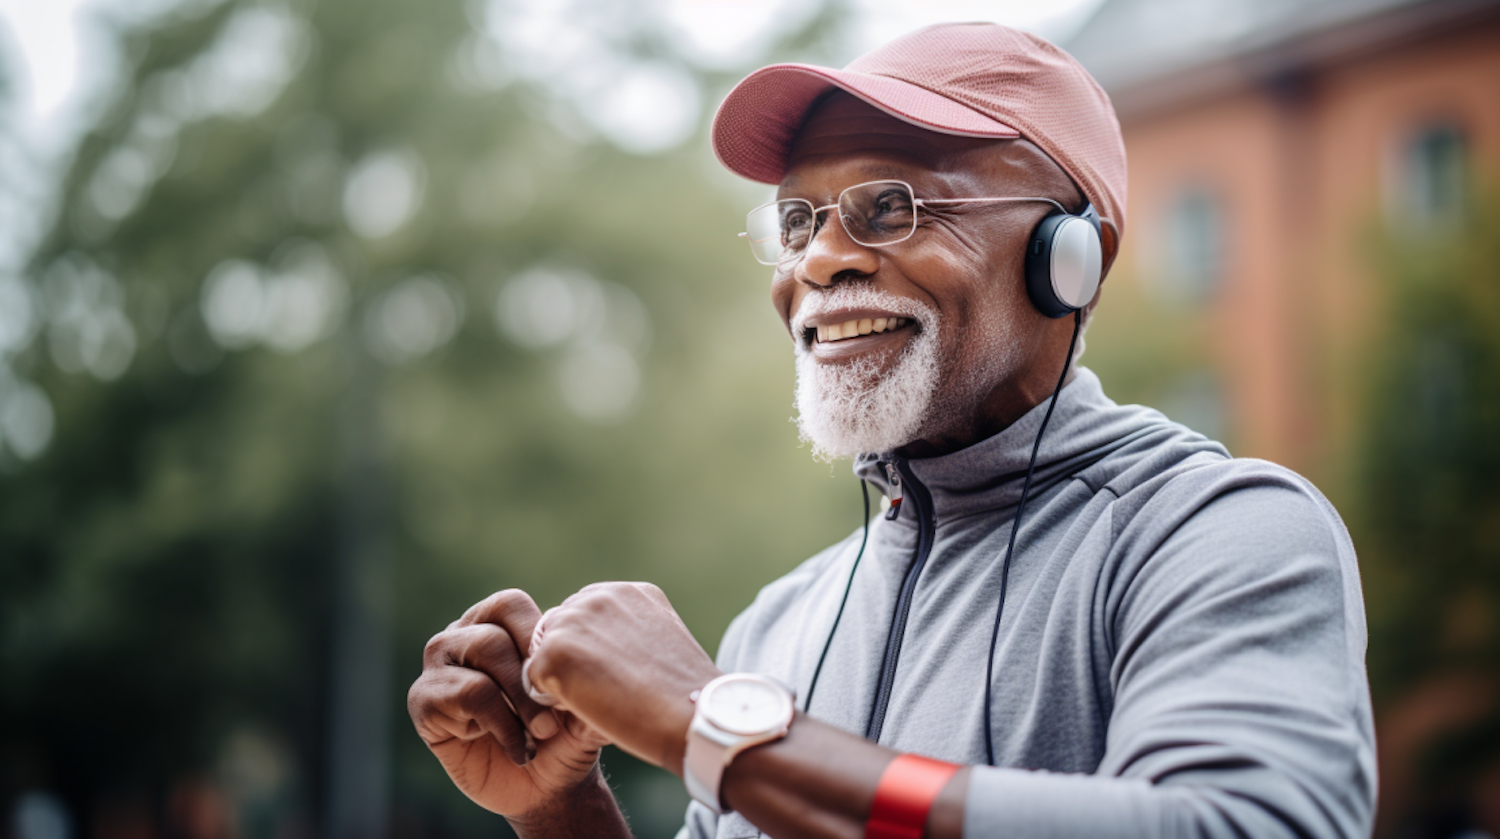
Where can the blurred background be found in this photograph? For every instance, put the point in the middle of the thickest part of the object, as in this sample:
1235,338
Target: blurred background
322,319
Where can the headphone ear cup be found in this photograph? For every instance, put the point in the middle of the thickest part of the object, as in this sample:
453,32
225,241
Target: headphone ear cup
1063,264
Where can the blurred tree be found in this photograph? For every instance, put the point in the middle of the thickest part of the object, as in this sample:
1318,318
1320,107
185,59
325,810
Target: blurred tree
354,312
1427,523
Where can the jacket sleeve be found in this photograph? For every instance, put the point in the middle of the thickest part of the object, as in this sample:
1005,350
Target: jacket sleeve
1240,701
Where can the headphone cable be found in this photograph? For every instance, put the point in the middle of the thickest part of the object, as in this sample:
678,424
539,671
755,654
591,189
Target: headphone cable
1036,446
864,490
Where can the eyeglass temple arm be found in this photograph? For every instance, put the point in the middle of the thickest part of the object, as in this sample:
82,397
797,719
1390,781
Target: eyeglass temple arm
922,202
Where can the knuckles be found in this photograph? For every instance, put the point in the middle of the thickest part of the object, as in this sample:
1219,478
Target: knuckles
599,597
434,647
577,632
561,653
511,601
417,699
495,651
475,694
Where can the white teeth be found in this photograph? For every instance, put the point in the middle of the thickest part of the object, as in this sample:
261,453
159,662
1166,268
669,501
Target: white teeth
856,328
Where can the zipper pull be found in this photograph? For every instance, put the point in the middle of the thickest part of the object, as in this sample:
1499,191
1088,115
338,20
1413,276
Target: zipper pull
895,494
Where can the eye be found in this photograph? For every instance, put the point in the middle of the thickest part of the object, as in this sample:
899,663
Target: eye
892,201
796,226
889,211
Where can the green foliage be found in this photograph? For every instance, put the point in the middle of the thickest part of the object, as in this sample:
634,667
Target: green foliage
1430,506
1427,518
170,574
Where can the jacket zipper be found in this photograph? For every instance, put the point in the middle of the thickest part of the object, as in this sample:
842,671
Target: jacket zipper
899,474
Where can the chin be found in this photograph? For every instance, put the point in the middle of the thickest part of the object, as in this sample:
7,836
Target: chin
868,404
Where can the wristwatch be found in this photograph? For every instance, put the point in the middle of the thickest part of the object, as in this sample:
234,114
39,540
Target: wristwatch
735,711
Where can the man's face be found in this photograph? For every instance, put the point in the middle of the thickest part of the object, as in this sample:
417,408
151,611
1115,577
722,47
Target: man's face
967,341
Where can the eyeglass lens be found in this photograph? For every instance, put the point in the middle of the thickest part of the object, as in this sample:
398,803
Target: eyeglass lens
873,214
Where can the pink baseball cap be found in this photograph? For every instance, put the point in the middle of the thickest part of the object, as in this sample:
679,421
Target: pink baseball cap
968,79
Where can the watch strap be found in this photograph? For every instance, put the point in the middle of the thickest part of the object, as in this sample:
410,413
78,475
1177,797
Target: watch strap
703,767
710,748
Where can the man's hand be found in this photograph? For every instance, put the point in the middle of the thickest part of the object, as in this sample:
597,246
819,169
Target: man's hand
469,707
619,657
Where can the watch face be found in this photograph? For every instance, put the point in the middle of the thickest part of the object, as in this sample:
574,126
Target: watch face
747,706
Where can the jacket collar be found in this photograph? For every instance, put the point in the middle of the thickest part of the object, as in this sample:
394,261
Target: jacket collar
1086,426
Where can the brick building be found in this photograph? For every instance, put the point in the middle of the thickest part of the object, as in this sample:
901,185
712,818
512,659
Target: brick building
1267,140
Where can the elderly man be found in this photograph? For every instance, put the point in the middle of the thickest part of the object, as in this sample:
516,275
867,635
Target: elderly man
1074,619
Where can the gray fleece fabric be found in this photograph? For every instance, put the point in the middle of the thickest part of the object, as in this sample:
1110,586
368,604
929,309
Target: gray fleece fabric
1181,653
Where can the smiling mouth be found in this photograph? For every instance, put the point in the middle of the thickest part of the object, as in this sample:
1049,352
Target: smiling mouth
835,332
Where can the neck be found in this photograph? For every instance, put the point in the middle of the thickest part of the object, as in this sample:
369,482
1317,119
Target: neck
1004,405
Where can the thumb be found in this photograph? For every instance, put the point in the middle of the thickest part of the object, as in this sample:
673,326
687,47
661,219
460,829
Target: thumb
568,756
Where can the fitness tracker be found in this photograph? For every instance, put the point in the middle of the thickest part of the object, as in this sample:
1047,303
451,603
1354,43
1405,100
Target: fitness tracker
908,788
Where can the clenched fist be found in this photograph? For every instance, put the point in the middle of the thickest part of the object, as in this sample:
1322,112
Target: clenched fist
506,752
619,658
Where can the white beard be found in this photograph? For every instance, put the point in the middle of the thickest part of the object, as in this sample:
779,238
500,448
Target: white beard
850,408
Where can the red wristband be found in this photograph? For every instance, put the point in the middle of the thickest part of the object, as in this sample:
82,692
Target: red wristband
904,797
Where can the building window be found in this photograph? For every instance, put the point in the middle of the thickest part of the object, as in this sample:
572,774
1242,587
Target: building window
1193,253
1431,170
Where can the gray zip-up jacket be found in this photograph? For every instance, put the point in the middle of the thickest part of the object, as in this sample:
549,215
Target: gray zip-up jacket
1181,651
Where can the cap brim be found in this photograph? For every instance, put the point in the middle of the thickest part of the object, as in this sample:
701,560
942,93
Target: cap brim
754,127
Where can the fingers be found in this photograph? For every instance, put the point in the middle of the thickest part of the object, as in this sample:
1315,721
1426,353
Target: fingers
511,609
589,623
492,652
495,637
459,703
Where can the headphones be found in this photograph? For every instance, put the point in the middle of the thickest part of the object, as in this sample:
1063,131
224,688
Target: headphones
1064,260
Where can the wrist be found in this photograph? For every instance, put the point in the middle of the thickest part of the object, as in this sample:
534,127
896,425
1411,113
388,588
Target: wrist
680,722
561,813
735,712
946,821
682,708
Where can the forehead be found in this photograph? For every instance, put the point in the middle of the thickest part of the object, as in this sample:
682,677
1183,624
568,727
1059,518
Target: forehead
845,138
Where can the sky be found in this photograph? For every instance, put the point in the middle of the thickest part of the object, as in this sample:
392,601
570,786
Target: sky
45,34
58,61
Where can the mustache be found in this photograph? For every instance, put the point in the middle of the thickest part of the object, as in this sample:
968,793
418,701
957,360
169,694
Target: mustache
847,296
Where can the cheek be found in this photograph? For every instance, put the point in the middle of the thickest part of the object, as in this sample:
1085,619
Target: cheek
976,290
988,320
784,298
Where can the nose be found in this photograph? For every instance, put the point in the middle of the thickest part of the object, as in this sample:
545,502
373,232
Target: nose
832,256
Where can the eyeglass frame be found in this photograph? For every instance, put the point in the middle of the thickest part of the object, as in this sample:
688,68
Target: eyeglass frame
916,203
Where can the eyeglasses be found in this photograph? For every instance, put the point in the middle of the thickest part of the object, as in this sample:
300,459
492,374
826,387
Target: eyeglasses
874,214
